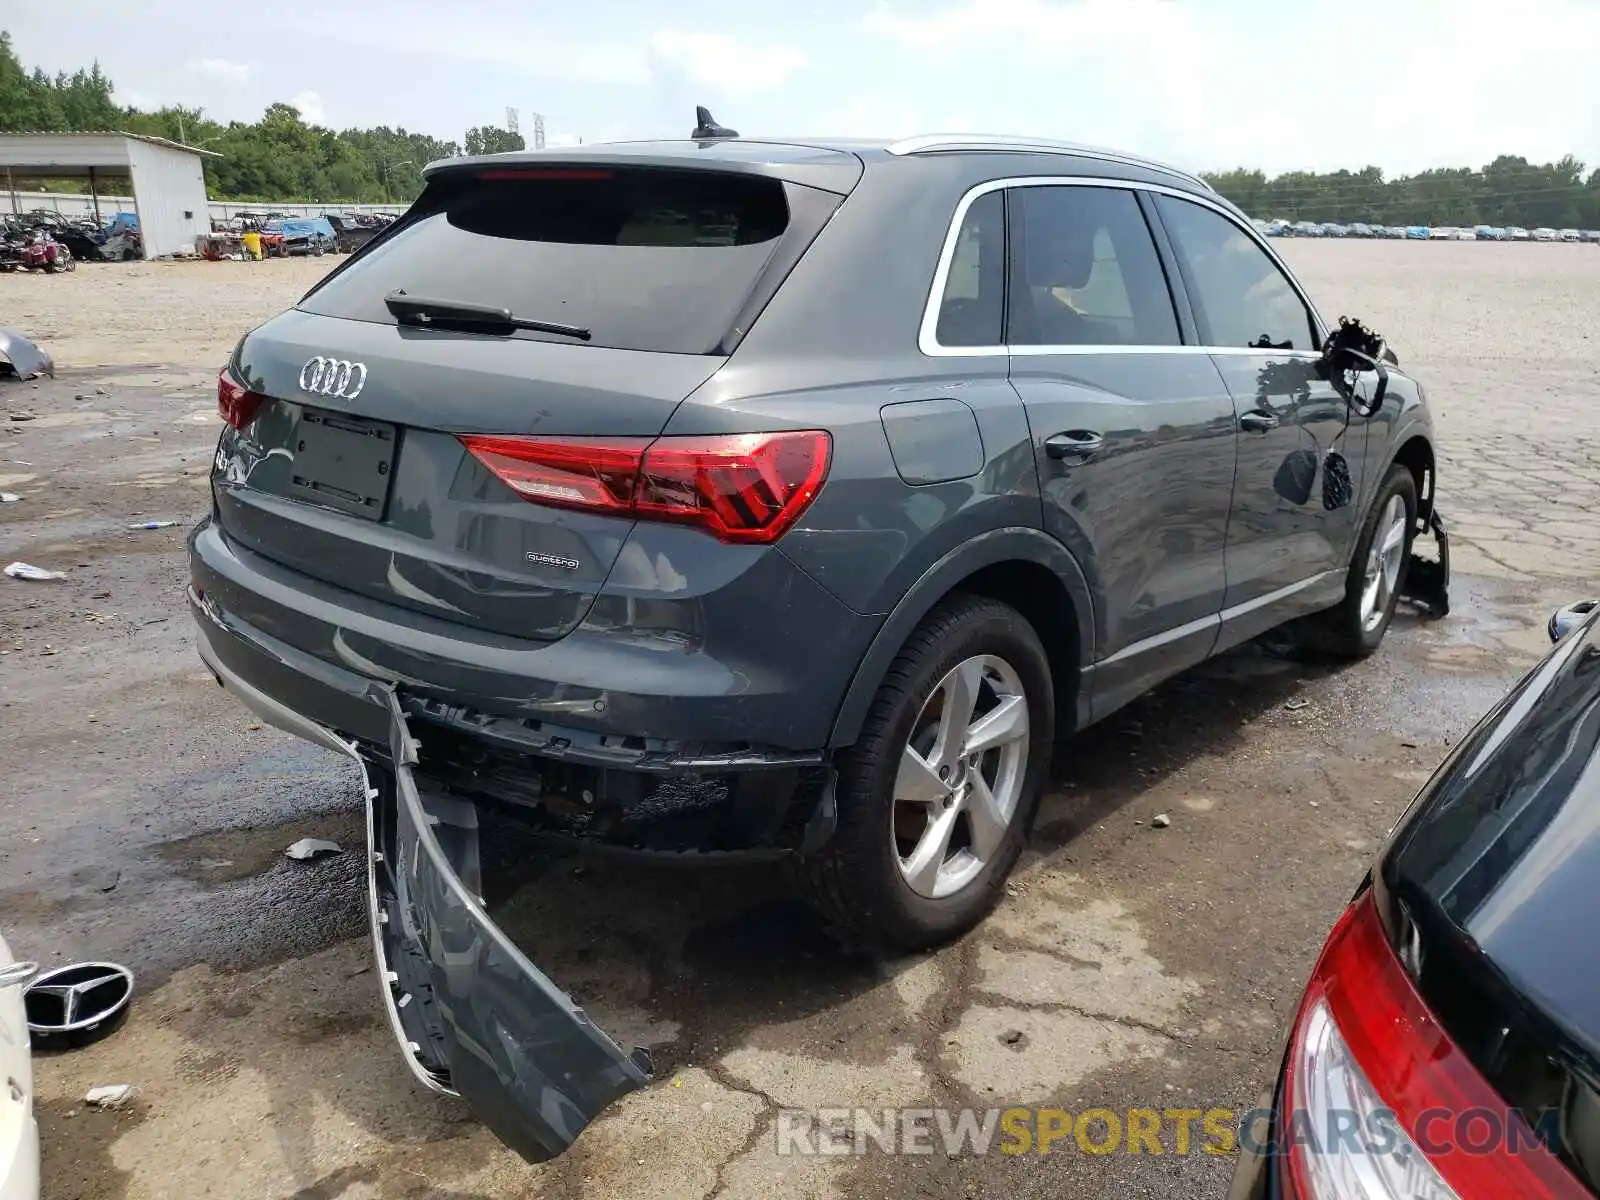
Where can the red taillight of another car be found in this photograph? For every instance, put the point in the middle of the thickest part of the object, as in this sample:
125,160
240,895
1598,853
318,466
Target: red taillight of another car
747,487
1419,1122
237,403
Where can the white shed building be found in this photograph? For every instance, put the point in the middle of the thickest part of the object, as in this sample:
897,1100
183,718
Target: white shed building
169,188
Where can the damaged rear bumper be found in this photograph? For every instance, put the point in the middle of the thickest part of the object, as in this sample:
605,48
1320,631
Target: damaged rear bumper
645,796
473,1016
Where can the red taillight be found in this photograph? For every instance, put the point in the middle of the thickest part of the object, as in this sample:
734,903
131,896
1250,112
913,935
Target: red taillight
1364,1043
237,403
563,174
745,487
592,473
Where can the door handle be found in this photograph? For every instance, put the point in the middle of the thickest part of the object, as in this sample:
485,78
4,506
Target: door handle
1257,420
1076,445
14,973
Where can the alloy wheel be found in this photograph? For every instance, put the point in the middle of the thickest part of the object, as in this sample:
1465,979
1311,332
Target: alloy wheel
960,777
1383,564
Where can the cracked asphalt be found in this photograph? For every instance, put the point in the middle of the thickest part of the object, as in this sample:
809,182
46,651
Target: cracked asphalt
143,817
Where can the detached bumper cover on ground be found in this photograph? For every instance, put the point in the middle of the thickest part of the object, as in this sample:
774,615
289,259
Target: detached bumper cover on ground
1427,580
473,1016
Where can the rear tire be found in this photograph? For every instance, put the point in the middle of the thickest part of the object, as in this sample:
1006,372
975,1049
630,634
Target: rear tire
886,878
1354,628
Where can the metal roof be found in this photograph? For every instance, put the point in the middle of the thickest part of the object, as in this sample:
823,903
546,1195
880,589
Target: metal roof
927,143
943,143
105,133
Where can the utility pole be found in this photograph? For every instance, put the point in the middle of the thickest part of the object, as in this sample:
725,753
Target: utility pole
388,192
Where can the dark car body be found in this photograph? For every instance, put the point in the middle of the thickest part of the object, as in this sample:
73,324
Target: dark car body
301,235
1483,893
373,573
349,234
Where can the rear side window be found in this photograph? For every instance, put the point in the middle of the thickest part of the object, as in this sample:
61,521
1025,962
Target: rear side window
1085,271
1241,299
973,308
643,258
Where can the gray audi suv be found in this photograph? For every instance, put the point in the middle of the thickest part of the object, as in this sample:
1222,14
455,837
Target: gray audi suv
745,498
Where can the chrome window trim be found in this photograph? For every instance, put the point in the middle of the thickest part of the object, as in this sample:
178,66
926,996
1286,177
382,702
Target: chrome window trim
927,333
940,143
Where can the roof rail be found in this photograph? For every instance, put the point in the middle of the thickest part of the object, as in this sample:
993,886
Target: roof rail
936,143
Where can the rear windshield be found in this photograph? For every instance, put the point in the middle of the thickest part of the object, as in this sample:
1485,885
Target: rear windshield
643,258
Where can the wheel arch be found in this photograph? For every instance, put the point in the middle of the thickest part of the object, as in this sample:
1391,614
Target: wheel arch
1415,453
1025,568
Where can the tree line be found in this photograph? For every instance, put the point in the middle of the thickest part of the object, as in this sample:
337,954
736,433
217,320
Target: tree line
281,157
1509,191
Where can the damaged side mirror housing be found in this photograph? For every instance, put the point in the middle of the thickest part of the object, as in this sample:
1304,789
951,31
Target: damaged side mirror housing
1350,351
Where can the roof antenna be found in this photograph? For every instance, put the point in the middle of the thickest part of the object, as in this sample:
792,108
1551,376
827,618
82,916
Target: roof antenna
708,129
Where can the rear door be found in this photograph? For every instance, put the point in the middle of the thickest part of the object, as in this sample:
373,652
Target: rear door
627,287
1133,431
1301,450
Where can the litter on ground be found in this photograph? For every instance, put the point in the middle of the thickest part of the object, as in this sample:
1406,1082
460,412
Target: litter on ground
309,848
22,570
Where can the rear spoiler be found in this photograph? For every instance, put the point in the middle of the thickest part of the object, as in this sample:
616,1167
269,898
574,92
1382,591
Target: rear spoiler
836,171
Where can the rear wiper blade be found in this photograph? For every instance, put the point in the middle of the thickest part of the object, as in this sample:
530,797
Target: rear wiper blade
457,314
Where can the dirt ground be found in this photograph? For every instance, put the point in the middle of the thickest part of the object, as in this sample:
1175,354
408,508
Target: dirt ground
143,815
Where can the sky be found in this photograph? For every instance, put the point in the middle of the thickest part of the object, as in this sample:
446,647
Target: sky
1204,84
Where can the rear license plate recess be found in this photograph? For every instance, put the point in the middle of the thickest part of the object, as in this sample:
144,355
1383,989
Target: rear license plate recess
344,462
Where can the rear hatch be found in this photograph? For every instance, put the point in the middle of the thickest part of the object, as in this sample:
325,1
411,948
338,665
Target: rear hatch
518,298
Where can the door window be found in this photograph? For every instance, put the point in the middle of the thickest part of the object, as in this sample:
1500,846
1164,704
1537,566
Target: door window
1085,271
1241,299
974,290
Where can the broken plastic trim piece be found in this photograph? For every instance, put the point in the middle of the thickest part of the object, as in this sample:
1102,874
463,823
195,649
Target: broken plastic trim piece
475,1017
26,358
1427,581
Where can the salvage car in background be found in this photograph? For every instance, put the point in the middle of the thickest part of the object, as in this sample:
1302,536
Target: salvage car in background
33,248
298,235
1464,977
632,484
350,233
19,1131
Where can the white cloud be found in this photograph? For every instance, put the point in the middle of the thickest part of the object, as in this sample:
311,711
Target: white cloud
720,61
134,98
1201,84
221,68
560,141
1095,26
310,106
505,40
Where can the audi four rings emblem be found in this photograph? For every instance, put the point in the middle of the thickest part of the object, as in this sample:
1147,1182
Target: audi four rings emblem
333,377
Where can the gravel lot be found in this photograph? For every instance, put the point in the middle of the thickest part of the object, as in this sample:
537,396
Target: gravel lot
142,817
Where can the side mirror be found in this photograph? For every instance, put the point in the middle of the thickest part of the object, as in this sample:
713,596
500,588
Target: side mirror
1564,620
1351,349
